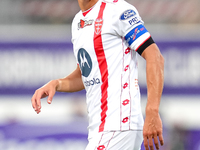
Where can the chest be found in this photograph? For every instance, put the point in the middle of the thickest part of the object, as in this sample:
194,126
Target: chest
86,29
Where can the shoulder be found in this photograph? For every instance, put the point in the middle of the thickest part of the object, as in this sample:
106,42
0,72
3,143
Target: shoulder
76,17
75,20
121,8
74,25
119,4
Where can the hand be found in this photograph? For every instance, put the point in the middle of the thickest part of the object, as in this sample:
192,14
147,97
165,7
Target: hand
47,90
152,131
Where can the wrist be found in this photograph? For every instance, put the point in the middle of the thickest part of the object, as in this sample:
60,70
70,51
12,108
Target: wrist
151,109
58,84
55,84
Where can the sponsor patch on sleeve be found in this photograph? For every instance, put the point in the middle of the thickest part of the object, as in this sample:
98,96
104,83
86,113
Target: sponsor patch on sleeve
127,14
135,33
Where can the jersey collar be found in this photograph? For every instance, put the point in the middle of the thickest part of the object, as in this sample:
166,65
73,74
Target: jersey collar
87,11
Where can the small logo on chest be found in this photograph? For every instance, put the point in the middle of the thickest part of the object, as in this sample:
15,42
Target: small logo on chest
84,23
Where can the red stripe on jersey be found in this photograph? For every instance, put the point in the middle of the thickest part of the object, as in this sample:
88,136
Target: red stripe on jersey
98,46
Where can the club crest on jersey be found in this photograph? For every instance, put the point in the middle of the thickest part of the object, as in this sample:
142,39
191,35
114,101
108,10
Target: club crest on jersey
84,23
127,14
98,25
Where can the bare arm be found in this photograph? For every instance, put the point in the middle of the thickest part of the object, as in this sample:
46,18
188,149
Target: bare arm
71,83
155,79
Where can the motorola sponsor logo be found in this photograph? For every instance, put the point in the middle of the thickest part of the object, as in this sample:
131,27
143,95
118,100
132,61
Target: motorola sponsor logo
85,63
92,82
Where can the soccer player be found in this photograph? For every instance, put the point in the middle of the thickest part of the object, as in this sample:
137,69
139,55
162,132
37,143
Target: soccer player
106,37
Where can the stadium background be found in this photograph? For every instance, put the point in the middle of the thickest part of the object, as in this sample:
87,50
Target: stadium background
35,47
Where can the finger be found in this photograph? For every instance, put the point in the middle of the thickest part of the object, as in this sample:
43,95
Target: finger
38,101
38,105
50,97
161,139
146,143
156,141
151,142
33,102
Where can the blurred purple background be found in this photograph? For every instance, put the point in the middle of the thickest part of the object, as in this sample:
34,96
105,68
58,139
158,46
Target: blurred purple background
35,48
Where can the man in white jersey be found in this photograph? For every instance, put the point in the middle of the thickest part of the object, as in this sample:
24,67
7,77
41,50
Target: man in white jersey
106,37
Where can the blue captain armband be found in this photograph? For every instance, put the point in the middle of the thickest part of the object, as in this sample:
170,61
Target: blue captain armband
135,33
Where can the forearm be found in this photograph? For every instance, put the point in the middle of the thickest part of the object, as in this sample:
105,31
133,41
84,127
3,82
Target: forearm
155,81
71,83
155,76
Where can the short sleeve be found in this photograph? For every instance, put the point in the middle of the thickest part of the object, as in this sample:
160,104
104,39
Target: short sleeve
131,27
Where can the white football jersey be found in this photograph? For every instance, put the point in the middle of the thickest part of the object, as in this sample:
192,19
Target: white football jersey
105,41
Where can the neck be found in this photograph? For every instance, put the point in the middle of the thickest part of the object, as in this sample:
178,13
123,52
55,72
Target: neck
86,4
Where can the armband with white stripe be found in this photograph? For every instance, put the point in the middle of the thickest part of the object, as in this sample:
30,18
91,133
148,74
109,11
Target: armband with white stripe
139,38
